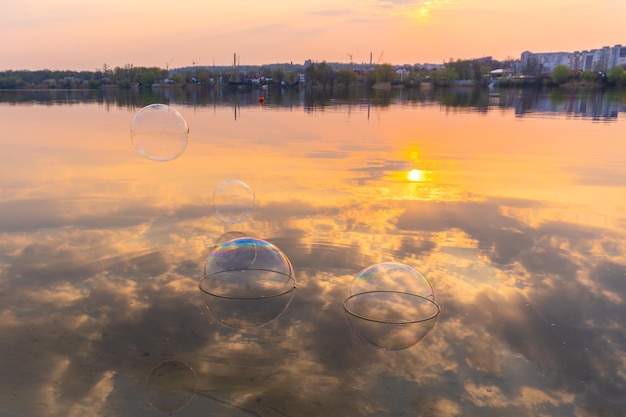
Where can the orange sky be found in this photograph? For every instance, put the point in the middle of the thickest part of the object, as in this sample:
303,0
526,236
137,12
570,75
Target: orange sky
72,34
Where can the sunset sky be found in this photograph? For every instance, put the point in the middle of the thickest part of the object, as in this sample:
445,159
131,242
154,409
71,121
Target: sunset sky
78,35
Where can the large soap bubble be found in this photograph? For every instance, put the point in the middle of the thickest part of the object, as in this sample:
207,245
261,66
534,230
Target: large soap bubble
159,133
391,306
171,385
231,254
247,282
233,201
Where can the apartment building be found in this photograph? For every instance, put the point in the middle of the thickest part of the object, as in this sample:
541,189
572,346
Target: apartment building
601,59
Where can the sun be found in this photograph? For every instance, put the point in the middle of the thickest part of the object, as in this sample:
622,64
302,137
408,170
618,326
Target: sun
421,12
415,175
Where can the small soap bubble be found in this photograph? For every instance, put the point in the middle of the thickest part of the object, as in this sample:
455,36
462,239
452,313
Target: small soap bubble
233,201
228,236
159,133
391,306
247,282
171,385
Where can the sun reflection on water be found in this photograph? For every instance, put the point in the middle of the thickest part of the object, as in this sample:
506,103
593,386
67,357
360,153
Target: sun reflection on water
416,175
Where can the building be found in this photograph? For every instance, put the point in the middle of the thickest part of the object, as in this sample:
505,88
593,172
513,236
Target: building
601,59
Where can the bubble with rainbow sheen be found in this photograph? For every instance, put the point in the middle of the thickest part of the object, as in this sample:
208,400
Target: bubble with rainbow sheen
247,282
391,306
231,254
159,132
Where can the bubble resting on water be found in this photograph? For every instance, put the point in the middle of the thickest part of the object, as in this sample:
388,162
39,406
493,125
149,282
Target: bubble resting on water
247,282
391,306
392,276
171,385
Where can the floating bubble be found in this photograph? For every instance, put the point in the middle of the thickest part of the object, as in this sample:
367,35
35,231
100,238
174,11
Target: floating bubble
228,236
233,201
159,133
171,385
247,282
391,306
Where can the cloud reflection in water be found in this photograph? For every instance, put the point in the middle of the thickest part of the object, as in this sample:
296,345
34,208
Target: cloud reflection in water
97,290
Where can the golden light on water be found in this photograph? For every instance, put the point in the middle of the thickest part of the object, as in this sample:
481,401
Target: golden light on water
415,175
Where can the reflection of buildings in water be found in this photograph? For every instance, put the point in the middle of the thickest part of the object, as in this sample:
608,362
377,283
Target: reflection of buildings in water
595,106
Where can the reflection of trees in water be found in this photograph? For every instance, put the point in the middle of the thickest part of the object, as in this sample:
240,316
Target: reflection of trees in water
597,104
131,98
476,98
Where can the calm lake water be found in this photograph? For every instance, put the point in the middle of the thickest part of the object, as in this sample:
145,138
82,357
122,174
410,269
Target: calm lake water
512,204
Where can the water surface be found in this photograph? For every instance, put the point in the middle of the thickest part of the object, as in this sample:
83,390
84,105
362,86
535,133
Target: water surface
515,214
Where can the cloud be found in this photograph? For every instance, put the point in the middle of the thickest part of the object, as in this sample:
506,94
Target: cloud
599,176
517,298
327,155
32,214
400,2
332,12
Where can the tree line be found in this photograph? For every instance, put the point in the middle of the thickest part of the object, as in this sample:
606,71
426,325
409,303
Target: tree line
120,76
614,77
322,74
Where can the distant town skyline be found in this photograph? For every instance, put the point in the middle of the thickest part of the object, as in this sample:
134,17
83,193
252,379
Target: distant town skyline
68,34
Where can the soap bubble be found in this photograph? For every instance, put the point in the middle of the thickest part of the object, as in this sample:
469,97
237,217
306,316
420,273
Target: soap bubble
228,236
233,201
391,306
247,282
228,252
171,385
237,253
159,133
